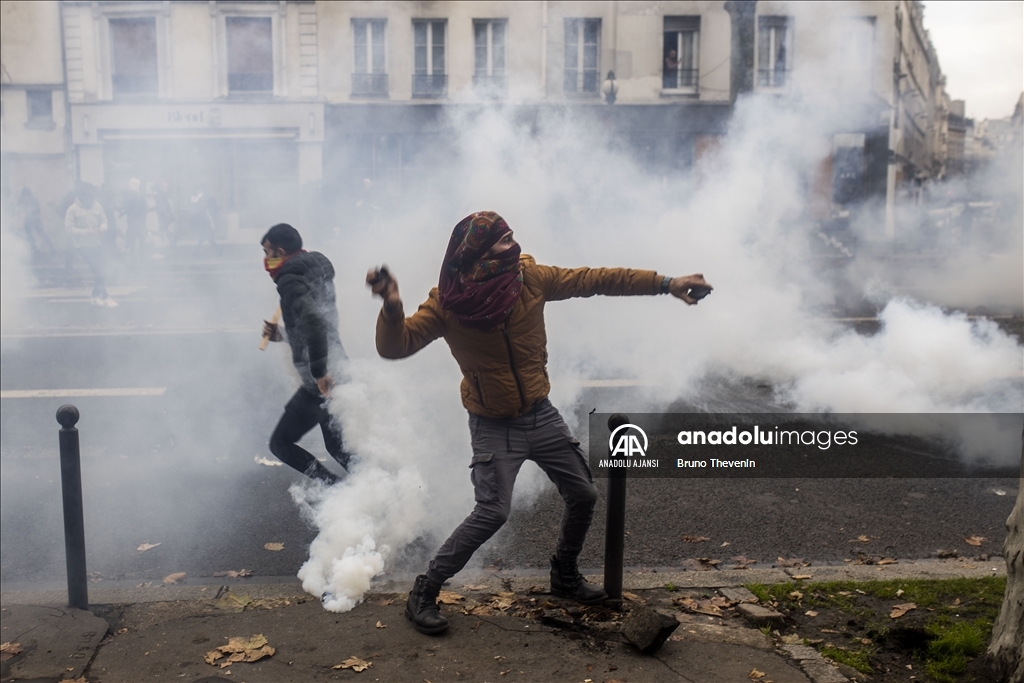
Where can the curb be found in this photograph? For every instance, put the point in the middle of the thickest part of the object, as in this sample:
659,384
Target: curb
635,579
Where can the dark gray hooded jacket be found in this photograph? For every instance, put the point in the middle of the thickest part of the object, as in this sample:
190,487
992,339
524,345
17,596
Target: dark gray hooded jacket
305,283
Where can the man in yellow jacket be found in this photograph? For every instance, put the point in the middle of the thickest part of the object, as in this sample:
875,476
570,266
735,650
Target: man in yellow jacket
489,307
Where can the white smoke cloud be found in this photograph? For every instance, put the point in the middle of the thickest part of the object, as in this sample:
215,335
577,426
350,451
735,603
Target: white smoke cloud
571,201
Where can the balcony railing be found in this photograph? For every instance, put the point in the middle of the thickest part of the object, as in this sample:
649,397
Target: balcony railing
490,85
370,85
584,82
134,84
429,85
252,82
679,79
772,78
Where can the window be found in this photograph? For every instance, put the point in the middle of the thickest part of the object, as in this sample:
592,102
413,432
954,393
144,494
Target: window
429,78
680,52
133,56
40,108
773,51
581,51
489,55
250,54
857,46
369,75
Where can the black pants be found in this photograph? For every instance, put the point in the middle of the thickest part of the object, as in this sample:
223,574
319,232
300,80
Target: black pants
304,411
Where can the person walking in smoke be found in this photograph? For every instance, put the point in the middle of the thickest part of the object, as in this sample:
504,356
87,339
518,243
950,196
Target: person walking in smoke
31,216
86,223
135,208
489,307
305,283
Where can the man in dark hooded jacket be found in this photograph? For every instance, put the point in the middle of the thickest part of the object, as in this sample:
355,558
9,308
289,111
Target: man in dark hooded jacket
489,307
305,282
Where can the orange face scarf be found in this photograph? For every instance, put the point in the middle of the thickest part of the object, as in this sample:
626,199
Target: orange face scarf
272,264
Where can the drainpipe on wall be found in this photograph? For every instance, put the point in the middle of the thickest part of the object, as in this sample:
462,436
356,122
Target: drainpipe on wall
741,54
70,158
544,50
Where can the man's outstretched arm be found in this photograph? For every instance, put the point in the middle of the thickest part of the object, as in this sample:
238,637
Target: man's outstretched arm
398,336
567,283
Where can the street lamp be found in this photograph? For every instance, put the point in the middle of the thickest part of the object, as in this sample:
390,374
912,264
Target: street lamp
610,88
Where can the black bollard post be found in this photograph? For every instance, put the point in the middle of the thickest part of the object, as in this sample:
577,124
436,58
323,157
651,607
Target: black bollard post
74,521
615,527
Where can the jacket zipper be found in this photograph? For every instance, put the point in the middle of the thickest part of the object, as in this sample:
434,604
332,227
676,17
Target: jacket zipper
512,365
479,391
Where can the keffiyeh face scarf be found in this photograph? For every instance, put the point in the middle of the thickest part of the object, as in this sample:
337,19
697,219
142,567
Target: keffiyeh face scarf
479,291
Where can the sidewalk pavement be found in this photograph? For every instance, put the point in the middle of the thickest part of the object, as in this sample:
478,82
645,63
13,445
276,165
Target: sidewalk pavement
503,628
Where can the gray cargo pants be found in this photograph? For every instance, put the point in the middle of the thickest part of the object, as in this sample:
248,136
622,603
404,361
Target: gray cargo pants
499,449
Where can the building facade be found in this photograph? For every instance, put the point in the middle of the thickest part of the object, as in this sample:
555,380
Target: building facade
266,104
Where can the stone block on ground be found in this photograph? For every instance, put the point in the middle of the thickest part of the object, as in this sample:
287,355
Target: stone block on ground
648,629
759,615
817,668
737,594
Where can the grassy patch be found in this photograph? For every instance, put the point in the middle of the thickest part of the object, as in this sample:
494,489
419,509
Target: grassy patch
950,626
954,643
858,659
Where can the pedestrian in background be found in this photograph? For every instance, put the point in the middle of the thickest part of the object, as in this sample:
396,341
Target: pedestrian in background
86,223
32,221
134,208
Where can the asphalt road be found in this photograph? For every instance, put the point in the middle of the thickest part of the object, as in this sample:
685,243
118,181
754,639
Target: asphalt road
178,467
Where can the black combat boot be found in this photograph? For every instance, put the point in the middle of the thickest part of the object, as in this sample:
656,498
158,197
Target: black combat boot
567,582
421,608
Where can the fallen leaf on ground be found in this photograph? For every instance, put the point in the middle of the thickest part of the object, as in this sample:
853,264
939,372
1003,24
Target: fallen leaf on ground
633,597
274,546
240,649
791,639
146,546
794,562
796,595
810,613
8,650
956,602
801,577
724,544
886,560
899,610
232,574
502,601
755,674
354,663
862,538
687,538
898,592
475,587
478,610
449,598
974,540
709,561
232,603
380,625
174,578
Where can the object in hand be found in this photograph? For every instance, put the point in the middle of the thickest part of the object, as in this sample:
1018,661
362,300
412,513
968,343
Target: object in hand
698,292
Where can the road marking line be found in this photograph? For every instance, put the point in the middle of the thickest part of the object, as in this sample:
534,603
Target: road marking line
43,334
77,393
595,383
